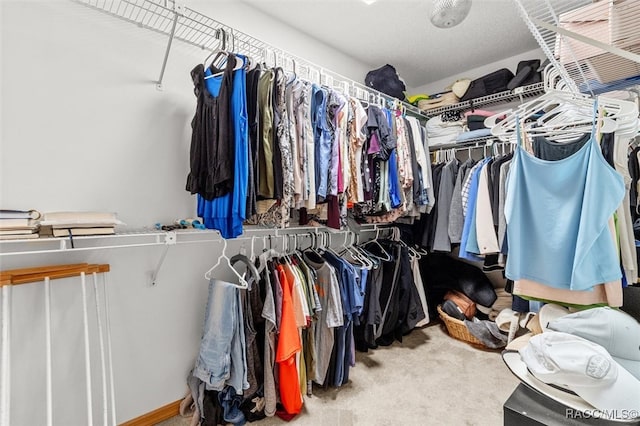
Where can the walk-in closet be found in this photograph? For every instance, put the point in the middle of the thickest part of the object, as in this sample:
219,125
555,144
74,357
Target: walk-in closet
358,212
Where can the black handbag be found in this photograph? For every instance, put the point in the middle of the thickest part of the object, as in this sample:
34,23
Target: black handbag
489,84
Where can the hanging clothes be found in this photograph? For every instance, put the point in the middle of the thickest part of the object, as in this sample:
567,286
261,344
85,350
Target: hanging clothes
253,78
269,349
303,147
557,214
265,135
442,242
222,358
288,346
227,212
211,155
356,139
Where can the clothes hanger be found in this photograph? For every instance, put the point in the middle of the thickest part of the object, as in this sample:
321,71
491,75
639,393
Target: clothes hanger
283,252
220,56
370,261
326,242
396,238
329,242
421,250
239,64
267,254
250,64
217,53
291,76
564,114
355,254
312,244
297,253
250,267
242,282
385,254
375,261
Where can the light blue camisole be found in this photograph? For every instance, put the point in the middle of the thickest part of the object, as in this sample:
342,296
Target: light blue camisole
557,218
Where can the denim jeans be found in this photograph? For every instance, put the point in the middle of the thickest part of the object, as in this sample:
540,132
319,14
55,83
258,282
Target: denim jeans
230,403
222,356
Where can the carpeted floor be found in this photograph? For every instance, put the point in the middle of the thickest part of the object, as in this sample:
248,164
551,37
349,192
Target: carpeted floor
428,379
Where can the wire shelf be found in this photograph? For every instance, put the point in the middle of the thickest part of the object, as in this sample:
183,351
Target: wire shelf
189,26
521,93
479,142
591,44
144,238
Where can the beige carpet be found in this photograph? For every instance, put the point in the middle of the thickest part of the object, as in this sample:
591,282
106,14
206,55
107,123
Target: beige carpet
428,379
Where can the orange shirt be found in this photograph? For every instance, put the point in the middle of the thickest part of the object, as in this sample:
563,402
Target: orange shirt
288,345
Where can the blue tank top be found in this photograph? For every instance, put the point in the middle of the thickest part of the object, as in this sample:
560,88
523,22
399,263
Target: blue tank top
557,218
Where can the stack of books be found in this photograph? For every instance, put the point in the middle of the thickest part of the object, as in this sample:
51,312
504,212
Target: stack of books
19,224
71,224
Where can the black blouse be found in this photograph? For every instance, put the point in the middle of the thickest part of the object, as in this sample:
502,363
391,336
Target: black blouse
212,143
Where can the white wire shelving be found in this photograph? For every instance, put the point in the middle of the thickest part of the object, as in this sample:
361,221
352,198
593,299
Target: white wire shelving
594,45
519,93
144,238
181,23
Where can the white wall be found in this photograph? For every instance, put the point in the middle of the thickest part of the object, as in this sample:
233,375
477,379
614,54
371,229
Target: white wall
83,128
510,63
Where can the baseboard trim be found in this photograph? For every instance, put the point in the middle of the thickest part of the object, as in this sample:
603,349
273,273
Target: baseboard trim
156,416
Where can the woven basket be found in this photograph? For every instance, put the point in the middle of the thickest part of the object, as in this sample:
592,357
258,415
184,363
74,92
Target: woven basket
457,329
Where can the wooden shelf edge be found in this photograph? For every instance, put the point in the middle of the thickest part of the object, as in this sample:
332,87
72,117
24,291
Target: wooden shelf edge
156,416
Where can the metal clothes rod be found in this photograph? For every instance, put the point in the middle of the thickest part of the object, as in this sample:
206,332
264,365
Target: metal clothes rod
189,26
481,143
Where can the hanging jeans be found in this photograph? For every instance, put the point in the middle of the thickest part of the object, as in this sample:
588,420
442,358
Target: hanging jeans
222,356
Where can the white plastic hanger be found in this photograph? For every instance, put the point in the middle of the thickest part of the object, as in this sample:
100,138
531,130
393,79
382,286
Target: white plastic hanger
386,256
354,252
561,120
217,53
565,114
242,282
220,56
266,254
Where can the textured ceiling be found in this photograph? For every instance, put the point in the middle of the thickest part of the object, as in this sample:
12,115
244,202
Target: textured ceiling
399,32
